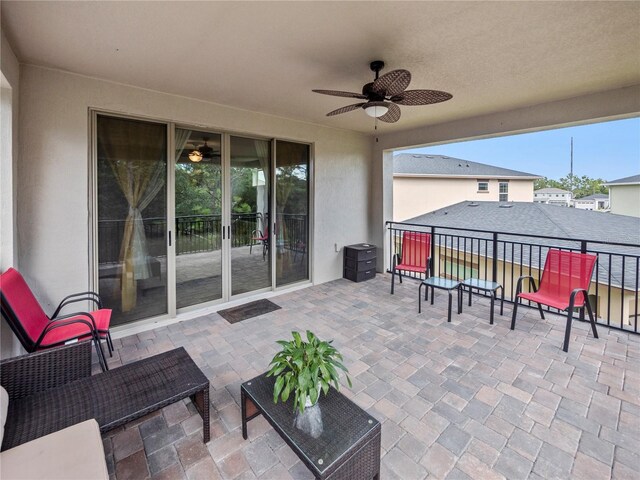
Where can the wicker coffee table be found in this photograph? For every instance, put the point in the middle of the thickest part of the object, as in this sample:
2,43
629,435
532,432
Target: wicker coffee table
54,389
346,446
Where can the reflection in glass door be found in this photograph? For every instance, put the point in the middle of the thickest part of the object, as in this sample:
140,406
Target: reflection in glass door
249,203
292,212
132,247
198,207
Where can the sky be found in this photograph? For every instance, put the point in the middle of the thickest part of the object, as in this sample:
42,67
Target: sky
607,150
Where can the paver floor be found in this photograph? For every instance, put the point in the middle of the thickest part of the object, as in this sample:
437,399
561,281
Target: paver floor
457,400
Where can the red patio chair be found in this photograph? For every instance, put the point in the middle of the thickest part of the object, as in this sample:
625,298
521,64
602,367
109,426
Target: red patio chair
36,331
414,256
564,285
257,236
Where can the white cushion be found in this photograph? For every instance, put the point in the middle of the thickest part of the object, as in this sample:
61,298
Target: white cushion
73,453
4,407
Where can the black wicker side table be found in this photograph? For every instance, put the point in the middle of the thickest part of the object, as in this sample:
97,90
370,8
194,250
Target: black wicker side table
344,443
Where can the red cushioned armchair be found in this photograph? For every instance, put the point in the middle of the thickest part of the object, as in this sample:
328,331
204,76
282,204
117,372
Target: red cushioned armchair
564,285
37,331
414,257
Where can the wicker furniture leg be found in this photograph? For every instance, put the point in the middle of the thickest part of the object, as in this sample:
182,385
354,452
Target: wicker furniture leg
201,401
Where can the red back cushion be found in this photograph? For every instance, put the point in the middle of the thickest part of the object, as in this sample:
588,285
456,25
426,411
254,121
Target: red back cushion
566,271
416,248
26,308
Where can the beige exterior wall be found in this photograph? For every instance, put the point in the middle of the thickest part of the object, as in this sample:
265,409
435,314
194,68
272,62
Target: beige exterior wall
414,196
53,207
625,199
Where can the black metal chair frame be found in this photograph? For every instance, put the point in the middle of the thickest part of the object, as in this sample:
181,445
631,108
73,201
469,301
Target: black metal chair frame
263,241
56,322
570,309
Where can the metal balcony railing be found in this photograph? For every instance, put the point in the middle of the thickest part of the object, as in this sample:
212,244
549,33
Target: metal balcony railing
201,233
502,257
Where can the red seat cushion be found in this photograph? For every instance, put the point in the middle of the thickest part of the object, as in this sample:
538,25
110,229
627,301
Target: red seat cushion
551,301
412,268
78,330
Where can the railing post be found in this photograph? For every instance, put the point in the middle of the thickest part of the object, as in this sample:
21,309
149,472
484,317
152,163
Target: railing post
583,249
494,258
433,252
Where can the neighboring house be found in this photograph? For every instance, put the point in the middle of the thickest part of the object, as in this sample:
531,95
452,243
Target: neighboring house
423,183
624,196
457,257
553,196
597,201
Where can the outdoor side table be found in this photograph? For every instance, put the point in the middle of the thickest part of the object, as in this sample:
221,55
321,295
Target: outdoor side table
347,439
442,284
485,286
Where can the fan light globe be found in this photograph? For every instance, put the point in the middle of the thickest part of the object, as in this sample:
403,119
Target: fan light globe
195,156
376,110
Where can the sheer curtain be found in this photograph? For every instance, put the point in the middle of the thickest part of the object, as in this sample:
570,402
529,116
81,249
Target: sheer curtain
263,153
182,136
136,155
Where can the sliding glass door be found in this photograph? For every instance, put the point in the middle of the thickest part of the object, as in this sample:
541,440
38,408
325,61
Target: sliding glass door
187,217
131,214
250,167
292,212
198,217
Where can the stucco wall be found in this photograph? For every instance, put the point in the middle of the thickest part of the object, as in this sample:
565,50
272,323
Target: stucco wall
9,114
413,196
625,199
53,200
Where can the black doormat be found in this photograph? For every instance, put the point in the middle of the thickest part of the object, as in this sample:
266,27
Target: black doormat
248,310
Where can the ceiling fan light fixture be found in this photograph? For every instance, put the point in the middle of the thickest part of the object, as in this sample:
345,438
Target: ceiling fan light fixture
195,156
376,111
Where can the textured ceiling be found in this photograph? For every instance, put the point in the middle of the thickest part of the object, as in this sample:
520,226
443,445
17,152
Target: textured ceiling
267,56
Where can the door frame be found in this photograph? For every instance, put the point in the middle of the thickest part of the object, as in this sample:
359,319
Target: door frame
172,311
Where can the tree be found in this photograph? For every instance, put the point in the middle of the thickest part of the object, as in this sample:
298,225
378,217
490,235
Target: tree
580,186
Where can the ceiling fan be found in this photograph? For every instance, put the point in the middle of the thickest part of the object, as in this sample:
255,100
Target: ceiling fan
204,151
385,93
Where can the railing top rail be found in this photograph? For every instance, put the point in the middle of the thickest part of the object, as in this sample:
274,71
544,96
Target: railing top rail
601,242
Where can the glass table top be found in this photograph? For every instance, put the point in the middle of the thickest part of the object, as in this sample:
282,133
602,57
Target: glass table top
481,284
324,433
439,282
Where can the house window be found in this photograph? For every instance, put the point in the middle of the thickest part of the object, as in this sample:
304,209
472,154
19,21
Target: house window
483,186
503,192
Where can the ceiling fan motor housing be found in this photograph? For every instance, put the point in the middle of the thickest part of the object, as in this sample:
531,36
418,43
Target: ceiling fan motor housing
370,94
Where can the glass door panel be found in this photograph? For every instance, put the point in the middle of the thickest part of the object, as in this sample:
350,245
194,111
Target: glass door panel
292,212
249,202
132,212
198,195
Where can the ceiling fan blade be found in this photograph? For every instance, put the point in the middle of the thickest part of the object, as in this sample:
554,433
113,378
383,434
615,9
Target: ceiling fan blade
392,116
421,97
346,109
338,93
392,83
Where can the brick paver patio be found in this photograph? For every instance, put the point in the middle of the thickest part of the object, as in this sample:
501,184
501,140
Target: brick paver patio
457,401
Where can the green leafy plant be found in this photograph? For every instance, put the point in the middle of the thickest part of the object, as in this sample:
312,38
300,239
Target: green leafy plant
304,369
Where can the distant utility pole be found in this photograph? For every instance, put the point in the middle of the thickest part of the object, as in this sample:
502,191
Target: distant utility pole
571,172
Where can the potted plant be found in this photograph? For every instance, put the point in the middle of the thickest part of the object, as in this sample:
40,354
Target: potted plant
304,369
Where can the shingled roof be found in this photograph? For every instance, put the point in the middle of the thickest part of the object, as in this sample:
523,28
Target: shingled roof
411,164
520,222
633,179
